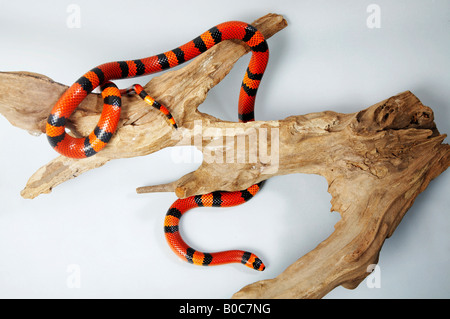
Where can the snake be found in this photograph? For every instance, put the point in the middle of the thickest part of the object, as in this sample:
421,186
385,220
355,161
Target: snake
102,75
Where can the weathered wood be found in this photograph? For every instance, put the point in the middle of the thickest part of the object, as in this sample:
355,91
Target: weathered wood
376,161
141,130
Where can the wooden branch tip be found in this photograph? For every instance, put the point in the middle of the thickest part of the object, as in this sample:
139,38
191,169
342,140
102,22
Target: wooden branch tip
169,187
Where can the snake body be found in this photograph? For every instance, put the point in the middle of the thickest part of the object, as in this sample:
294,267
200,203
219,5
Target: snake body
214,199
102,75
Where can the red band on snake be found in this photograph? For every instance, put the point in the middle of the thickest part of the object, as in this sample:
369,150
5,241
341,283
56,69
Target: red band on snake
215,199
70,146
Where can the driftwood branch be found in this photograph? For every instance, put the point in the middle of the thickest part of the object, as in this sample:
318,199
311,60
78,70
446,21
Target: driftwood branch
376,161
141,131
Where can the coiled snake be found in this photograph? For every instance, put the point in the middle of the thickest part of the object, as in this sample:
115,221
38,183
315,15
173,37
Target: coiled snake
102,75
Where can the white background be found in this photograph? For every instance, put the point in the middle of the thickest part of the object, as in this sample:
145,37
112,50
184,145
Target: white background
326,59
